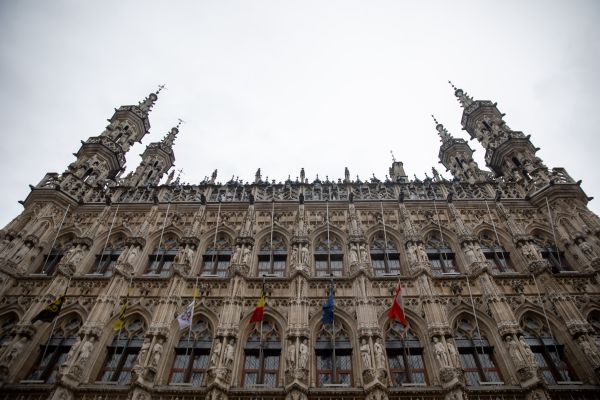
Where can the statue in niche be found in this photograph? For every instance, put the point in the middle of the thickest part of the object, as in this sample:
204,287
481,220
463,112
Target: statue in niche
304,255
157,352
294,256
441,354
216,354
365,354
246,255
303,359
515,351
291,355
353,253
229,353
528,354
237,254
453,355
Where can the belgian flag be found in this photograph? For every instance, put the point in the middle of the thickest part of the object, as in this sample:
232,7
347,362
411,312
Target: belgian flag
50,311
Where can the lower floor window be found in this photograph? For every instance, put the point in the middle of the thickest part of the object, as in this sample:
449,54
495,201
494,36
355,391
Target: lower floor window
261,368
406,367
119,364
334,368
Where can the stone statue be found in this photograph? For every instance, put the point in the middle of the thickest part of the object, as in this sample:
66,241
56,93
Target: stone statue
73,350
453,355
143,353
422,254
294,256
157,352
216,354
303,359
84,355
365,354
246,255
291,355
237,254
587,250
304,255
470,253
379,354
74,255
132,255
364,253
589,350
16,349
411,252
441,353
528,354
515,352
353,254
229,350
188,255
529,252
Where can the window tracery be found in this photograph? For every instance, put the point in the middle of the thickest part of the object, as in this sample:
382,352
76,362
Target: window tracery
475,353
329,256
123,352
262,356
405,356
272,258
333,351
191,355
53,353
440,255
217,257
548,353
385,257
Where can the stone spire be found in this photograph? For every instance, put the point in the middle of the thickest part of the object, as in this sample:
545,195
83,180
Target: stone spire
443,132
463,98
146,105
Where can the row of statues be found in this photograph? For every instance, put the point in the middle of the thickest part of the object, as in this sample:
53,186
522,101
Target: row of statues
365,354
301,350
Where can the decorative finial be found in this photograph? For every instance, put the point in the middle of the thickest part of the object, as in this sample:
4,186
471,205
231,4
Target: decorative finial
393,158
161,87
179,122
435,120
169,139
463,98
443,132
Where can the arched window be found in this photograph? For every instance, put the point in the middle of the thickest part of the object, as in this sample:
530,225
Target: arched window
161,259
498,257
106,260
53,353
271,259
191,355
329,257
123,352
549,355
261,361
384,256
333,357
217,257
405,356
7,323
440,255
476,353
552,254
50,261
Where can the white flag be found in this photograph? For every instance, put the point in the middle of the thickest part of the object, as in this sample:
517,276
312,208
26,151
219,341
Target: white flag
185,318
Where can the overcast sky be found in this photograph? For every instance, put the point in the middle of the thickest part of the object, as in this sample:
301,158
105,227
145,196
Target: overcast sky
282,85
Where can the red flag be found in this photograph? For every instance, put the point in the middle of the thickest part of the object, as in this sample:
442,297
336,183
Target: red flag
259,311
397,311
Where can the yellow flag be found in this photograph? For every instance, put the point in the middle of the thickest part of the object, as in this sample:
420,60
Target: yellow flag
119,322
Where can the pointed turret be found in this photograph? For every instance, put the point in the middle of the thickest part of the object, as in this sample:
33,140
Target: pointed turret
157,159
508,153
457,156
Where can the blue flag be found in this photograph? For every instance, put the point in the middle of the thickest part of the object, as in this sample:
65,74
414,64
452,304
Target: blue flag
328,308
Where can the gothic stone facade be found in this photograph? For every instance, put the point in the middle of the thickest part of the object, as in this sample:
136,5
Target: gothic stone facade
499,271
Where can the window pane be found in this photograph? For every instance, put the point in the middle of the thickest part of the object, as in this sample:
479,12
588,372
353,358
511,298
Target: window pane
250,379
270,380
324,362
251,362
271,362
200,361
197,379
177,377
343,362
324,379
472,378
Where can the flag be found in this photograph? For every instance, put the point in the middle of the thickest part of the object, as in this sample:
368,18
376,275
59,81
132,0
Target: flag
259,311
50,311
397,310
119,322
185,318
328,308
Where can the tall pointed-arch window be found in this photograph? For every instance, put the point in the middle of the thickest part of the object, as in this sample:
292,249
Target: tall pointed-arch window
495,253
548,353
272,258
53,353
405,356
51,260
333,351
476,353
161,260
217,257
384,256
552,254
262,357
191,355
7,323
440,255
123,352
329,257
106,260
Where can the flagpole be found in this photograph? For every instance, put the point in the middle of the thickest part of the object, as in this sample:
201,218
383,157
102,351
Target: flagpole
121,326
216,233
334,366
108,236
192,318
55,237
160,250
328,242
271,267
54,324
385,257
260,343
